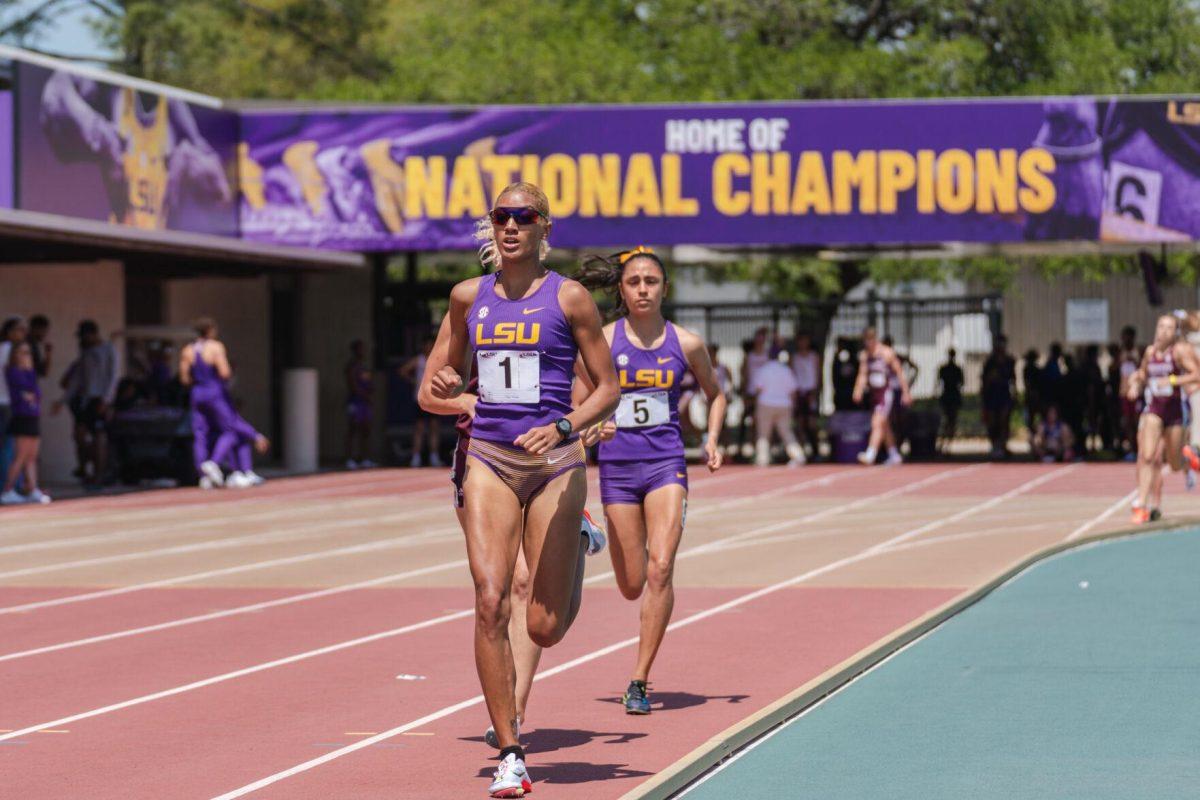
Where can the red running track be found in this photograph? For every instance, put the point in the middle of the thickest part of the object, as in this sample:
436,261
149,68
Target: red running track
203,743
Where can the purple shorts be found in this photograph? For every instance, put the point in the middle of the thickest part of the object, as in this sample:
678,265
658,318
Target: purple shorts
628,482
358,412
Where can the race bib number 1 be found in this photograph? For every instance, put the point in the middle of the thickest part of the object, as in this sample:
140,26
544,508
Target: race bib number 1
643,409
510,376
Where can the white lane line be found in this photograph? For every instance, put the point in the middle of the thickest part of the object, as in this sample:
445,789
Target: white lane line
825,481
229,612
173,511
1105,514
717,544
568,665
228,676
370,547
354,643
984,506
272,536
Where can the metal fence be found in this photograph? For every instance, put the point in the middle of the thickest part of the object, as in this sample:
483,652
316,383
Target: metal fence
923,330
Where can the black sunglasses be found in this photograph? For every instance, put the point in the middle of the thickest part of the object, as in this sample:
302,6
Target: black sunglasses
525,215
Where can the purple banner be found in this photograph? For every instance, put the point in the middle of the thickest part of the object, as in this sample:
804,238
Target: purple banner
6,148
108,152
774,174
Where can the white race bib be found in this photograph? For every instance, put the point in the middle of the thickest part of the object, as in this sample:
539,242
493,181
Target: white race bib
510,376
643,409
877,380
1161,387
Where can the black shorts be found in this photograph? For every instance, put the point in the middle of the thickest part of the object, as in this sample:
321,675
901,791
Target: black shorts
88,415
24,426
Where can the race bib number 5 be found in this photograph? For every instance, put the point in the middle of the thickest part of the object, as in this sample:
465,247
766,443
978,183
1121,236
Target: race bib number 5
643,409
510,376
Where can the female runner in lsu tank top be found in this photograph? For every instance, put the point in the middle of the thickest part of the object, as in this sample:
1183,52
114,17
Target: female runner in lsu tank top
880,370
1168,365
526,654
643,475
524,487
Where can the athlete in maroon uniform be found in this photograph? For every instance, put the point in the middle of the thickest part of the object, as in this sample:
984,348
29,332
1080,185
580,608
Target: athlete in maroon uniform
879,372
1168,365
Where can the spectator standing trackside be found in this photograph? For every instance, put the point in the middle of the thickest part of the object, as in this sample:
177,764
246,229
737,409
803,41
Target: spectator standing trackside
95,385
1131,410
774,388
43,349
428,427
755,354
360,390
806,365
21,378
950,398
1031,377
12,332
999,375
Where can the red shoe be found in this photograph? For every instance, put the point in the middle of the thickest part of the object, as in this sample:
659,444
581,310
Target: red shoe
1140,516
1192,457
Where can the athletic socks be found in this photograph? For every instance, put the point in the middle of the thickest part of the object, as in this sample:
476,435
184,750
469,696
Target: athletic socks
515,749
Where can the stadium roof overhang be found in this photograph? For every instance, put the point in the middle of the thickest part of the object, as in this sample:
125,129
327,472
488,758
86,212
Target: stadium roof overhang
31,237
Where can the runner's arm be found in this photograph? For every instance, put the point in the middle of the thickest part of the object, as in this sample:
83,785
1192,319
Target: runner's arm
447,381
463,403
860,382
701,366
1187,359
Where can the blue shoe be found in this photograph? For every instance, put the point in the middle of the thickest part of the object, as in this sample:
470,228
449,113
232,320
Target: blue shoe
593,532
636,701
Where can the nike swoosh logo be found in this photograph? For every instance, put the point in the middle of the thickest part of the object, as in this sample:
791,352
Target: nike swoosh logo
531,310
665,360
556,460
680,475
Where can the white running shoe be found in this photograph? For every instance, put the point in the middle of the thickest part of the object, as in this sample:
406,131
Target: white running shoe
512,779
435,460
367,463
894,460
38,496
351,463
11,498
866,459
489,735
416,460
212,471
254,478
238,480
594,533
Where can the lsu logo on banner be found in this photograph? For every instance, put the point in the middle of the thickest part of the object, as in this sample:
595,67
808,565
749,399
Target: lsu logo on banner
508,333
647,379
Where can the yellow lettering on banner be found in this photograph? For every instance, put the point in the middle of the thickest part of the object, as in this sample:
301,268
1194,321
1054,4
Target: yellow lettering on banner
500,171
727,201
1034,166
674,203
926,182
560,182
897,173
530,172
770,174
955,181
851,171
425,187
301,159
250,178
387,182
641,188
599,185
812,185
466,190
996,179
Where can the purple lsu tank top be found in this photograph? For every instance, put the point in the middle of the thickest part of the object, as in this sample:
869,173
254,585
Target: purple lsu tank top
206,383
651,382
524,354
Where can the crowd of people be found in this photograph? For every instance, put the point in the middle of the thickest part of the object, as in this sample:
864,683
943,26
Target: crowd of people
96,387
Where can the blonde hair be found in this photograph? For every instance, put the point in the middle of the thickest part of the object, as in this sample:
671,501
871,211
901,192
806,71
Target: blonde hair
485,232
